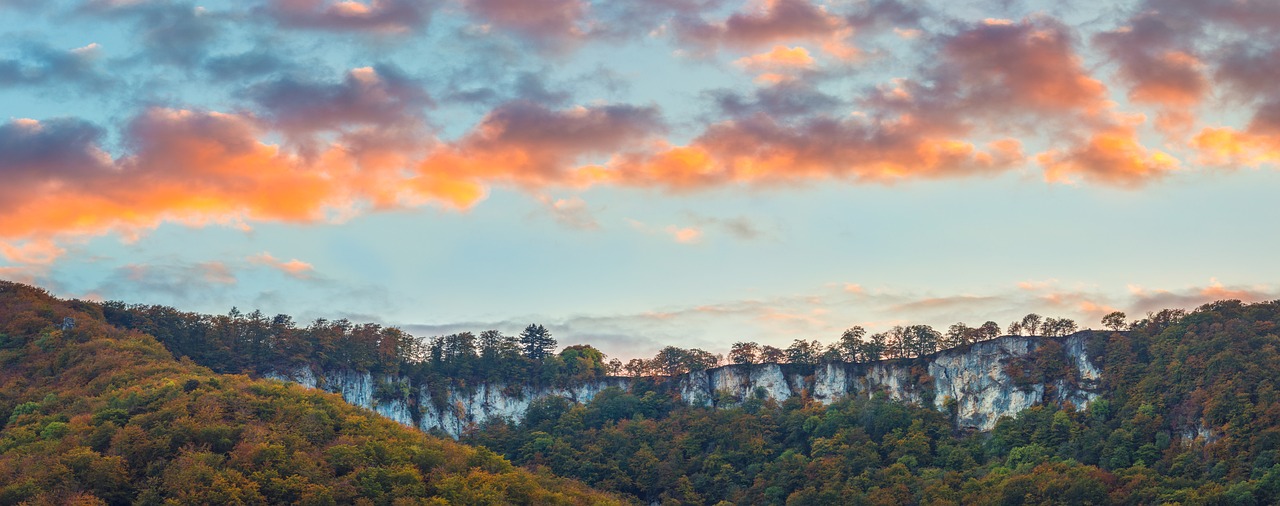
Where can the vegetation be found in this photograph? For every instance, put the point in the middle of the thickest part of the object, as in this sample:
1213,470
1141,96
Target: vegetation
255,344
1191,416
99,415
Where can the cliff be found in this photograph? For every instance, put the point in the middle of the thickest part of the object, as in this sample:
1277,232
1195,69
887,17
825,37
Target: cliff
978,384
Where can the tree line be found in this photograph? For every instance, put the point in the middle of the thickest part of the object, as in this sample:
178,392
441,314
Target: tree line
254,343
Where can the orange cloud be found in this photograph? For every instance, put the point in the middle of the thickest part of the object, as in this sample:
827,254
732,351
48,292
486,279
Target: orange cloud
38,251
782,64
1112,156
293,267
684,235
1229,147
780,57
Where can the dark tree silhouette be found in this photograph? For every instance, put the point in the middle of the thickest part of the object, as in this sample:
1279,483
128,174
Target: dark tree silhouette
536,342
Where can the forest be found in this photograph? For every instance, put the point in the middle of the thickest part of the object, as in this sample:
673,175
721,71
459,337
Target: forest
93,414
1190,414
252,343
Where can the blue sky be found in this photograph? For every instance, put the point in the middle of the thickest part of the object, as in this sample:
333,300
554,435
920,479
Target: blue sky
687,172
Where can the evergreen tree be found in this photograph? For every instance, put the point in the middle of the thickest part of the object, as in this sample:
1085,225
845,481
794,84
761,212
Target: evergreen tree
536,342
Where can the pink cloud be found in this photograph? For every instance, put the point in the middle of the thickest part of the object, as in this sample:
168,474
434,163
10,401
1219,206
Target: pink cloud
293,267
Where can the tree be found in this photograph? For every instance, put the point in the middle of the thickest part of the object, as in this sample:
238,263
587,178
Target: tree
671,361
850,345
495,346
896,344
1015,329
460,346
744,352
958,334
988,331
700,360
771,355
583,362
804,352
637,367
1057,327
921,340
876,347
1031,324
614,367
536,342
1114,321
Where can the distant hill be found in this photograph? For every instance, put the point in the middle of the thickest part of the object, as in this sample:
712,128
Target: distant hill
94,414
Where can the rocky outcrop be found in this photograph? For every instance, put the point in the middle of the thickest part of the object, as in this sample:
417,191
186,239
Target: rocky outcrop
973,383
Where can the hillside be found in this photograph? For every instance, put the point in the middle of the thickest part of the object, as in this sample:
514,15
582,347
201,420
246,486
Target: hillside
1187,413
1176,408
99,415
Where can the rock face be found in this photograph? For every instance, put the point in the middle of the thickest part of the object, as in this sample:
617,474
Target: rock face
972,382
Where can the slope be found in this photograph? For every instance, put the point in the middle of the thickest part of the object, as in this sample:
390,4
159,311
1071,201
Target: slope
98,415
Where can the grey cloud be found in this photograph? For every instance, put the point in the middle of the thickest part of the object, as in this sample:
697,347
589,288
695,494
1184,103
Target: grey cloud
43,66
386,16
385,96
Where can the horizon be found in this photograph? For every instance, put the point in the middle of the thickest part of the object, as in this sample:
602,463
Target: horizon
643,174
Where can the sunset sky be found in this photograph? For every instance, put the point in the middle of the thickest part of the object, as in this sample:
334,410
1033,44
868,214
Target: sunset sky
637,173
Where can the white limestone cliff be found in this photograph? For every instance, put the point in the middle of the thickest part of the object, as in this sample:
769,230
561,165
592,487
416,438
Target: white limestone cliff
971,381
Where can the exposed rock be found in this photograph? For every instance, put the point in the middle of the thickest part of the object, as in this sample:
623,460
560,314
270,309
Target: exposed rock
970,380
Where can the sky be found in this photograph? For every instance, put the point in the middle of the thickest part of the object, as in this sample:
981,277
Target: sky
636,174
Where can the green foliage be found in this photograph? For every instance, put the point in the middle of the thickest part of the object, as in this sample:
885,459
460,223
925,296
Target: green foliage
1190,414
114,419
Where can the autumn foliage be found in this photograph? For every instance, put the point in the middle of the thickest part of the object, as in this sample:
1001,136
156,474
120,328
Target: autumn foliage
99,415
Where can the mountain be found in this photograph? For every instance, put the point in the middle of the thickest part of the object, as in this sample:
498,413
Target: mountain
94,414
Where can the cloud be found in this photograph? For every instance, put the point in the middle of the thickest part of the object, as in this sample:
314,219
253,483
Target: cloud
174,281
684,235
32,252
1113,157
781,64
781,100
43,66
739,227
571,212
1152,62
19,4
948,303
1228,147
780,57
551,24
887,14
1150,300
294,267
177,33
531,145
39,154
382,97
374,16
246,65
775,21
760,149
1009,72
186,166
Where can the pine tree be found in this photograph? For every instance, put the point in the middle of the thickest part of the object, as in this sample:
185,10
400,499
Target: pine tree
536,342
